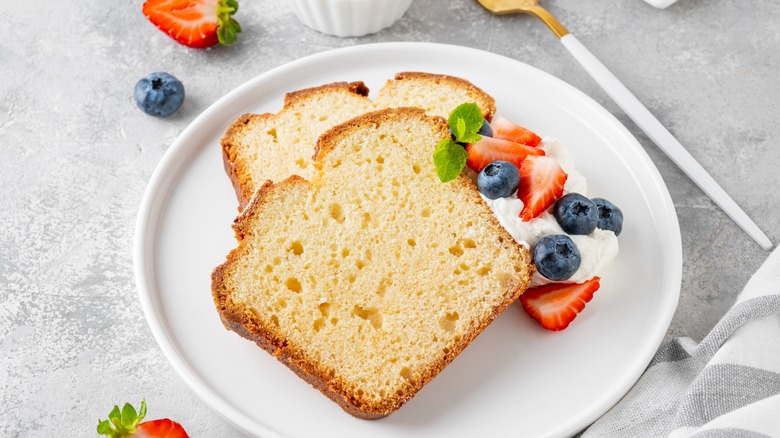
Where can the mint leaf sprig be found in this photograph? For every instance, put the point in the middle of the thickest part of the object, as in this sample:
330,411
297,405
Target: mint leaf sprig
450,156
450,159
465,121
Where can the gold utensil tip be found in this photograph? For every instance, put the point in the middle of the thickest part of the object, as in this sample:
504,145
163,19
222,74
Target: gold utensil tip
503,7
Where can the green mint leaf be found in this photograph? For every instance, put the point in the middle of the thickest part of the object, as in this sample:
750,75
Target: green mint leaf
128,415
471,138
104,428
460,129
449,159
465,120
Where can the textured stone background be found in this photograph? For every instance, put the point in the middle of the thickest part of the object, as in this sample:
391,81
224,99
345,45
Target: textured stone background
75,156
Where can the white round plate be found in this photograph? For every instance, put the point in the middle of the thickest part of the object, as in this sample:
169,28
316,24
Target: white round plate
515,379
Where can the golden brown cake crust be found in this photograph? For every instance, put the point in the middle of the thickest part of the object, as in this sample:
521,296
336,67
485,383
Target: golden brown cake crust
246,323
236,173
293,97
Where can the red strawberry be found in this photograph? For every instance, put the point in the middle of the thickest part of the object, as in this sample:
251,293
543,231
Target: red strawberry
489,149
127,423
164,428
541,184
195,23
506,130
555,305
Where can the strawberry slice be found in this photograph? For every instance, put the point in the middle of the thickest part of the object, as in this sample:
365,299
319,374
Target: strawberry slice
195,23
489,149
541,184
506,130
555,305
127,423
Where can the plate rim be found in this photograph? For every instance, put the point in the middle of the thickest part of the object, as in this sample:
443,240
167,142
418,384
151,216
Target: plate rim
148,220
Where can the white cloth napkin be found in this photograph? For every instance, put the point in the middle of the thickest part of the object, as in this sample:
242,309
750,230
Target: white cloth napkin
726,386
660,3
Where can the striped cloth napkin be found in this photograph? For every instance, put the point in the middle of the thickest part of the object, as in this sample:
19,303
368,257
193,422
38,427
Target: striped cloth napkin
726,386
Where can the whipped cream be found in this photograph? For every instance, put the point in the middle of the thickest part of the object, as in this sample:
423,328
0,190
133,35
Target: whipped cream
597,249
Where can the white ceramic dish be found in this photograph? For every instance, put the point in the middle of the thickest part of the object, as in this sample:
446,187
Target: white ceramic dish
516,379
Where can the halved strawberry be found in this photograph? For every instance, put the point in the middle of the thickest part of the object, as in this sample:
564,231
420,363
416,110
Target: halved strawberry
506,130
127,424
489,149
195,23
163,428
555,305
541,184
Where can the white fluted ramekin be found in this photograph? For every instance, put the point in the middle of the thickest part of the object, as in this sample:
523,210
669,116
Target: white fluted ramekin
349,18
661,4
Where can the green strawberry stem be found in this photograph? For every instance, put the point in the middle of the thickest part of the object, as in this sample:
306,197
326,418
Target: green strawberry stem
122,423
228,27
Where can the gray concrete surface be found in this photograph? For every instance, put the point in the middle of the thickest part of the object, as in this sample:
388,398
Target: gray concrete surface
75,156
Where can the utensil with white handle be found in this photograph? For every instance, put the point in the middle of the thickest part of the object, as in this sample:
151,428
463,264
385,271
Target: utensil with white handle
638,113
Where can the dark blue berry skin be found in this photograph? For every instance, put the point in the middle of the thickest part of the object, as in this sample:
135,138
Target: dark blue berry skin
498,179
576,214
610,216
159,94
485,130
556,257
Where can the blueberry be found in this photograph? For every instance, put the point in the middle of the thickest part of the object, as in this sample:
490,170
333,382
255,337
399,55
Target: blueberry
485,130
159,94
610,216
556,257
576,214
499,179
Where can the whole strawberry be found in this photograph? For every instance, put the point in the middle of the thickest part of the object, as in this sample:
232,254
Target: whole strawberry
195,23
127,423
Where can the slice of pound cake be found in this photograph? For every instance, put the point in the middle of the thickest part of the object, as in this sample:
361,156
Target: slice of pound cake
370,278
261,147
257,148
